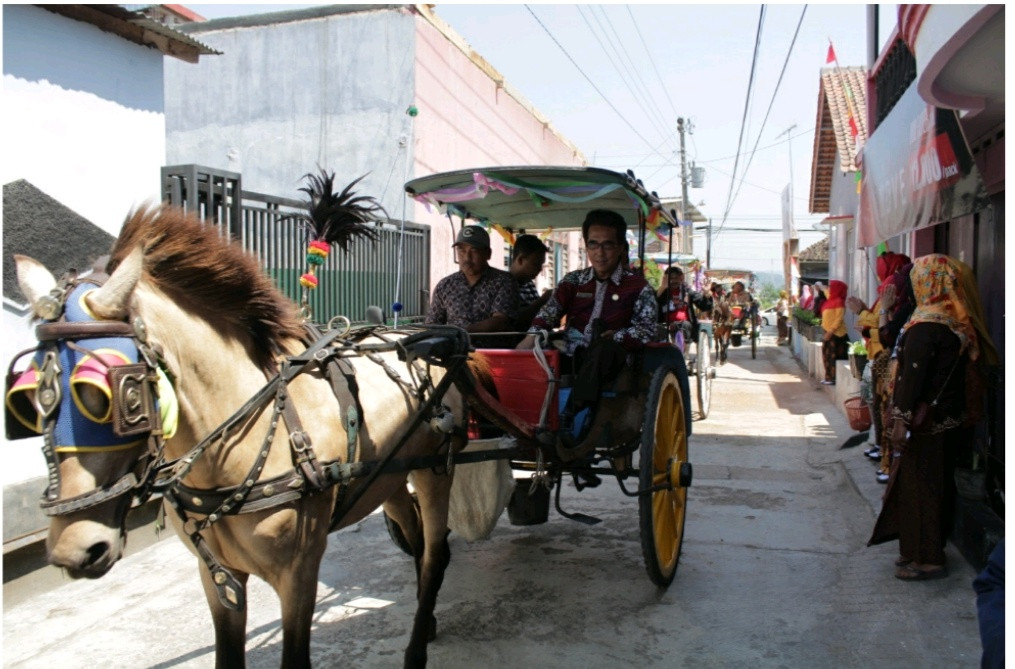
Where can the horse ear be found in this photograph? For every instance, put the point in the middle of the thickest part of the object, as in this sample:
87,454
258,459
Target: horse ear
34,279
110,301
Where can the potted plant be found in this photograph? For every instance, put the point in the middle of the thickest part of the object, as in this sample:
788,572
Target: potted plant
807,324
857,358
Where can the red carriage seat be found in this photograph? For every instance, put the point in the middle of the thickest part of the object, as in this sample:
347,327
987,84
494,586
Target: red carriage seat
522,382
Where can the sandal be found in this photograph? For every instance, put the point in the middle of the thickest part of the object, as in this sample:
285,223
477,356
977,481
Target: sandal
910,573
901,561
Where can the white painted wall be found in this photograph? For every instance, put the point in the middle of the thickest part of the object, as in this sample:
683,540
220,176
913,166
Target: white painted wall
82,114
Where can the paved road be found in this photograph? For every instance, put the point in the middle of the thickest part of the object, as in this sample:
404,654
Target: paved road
774,573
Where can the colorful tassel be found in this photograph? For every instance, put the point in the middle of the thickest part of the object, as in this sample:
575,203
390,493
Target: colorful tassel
308,281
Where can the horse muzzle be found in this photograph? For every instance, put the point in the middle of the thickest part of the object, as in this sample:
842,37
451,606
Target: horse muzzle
84,548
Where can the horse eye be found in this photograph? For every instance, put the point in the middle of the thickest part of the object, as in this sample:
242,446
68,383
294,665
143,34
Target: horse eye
93,402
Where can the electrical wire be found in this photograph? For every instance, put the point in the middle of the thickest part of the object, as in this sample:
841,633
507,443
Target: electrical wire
774,94
646,92
588,79
621,67
743,121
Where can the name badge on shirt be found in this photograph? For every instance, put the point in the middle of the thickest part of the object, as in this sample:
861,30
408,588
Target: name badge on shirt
586,295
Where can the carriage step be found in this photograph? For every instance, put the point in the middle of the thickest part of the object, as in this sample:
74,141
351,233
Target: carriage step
582,518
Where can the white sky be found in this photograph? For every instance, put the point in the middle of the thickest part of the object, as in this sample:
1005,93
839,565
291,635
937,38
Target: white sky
652,63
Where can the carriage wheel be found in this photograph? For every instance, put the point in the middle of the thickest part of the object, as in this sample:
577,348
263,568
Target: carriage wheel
703,373
663,461
755,336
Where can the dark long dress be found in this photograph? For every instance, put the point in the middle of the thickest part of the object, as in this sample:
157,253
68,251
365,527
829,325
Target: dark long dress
919,502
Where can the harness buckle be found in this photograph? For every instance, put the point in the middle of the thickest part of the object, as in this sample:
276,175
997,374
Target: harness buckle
49,394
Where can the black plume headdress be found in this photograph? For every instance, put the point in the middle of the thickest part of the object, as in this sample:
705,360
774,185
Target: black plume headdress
338,218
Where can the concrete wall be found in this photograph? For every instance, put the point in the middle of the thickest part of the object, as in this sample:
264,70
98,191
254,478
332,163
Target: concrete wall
82,114
286,97
331,87
470,117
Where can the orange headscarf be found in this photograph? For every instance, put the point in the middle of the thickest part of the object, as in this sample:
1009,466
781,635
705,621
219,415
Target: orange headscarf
941,297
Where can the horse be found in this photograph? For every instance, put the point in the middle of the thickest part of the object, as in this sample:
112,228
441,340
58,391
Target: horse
203,315
722,325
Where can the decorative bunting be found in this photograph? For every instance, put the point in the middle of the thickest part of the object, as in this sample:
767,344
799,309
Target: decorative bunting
508,236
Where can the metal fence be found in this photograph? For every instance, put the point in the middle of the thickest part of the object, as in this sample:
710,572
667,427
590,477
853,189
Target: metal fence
348,282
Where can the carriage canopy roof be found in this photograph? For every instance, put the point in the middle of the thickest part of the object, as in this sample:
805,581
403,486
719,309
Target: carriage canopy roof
540,197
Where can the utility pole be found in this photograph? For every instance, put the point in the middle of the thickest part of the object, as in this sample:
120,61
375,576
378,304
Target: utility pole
708,244
685,212
789,143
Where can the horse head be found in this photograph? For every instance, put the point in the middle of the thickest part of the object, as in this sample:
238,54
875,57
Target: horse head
69,395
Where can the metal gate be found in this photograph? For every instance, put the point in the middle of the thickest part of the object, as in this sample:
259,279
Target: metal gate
348,283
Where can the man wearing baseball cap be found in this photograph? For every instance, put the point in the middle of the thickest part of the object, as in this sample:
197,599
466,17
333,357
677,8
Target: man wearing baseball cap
477,297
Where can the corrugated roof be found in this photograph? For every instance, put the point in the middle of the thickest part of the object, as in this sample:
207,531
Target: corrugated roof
136,28
816,252
842,94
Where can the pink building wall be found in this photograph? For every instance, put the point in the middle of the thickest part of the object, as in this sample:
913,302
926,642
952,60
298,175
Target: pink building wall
469,117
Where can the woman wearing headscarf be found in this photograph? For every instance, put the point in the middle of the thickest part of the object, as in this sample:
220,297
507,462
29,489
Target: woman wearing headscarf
931,406
782,318
869,320
834,342
806,297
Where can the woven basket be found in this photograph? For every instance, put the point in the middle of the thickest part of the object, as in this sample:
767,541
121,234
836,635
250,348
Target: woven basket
858,414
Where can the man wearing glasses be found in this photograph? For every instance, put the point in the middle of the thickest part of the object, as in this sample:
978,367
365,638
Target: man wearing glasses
610,311
607,296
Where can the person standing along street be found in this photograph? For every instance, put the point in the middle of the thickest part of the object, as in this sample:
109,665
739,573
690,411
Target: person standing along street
932,408
888,269
528,255
834,342
477,298
782,318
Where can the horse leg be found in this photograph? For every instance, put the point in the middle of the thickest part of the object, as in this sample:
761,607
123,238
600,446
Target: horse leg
433,492
402,509
230,626
297,591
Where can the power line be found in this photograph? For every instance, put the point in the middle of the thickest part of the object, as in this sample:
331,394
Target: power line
774,94
743,121
591,83
616,59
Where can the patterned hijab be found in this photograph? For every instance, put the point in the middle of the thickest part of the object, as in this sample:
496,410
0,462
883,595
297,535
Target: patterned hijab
944,295
971,291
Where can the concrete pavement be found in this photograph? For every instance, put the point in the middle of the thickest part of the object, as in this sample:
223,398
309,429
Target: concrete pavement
774,572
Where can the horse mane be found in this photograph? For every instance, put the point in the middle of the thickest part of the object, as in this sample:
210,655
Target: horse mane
196,266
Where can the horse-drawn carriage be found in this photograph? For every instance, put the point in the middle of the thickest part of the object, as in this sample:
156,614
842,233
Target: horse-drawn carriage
186,373
735,320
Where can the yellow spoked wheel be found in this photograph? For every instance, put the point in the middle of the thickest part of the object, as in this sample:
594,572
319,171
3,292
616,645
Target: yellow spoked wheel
664,464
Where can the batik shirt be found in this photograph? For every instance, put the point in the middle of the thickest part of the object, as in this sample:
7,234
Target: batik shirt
455,302
527,293
624,302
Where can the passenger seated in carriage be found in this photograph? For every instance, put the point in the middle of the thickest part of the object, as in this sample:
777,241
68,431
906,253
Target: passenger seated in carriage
610,311
528,255
477,298
742,305
679,307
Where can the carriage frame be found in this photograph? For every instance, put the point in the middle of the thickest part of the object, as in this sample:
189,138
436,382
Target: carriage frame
540,198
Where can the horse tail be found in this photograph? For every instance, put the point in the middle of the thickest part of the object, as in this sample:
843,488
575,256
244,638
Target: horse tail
480,367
